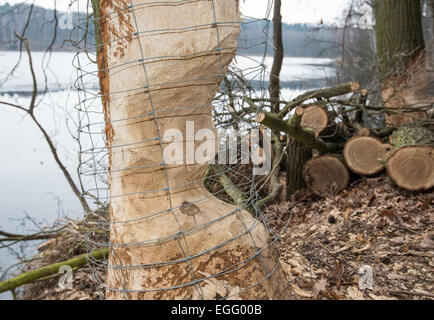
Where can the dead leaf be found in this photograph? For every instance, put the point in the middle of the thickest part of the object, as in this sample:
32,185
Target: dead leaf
355,294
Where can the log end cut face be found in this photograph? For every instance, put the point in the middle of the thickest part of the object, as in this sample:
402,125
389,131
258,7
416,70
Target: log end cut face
412,167
326,175
316,118
363,155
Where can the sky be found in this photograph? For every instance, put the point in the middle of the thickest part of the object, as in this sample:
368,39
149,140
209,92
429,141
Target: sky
293,11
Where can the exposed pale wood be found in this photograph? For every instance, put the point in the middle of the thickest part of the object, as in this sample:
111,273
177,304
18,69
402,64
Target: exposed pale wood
326,175
138,181
363,154
316,118
401,56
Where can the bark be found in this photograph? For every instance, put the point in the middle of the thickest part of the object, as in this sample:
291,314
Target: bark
411,135
278,56
159,252
274,89
401,55
399,36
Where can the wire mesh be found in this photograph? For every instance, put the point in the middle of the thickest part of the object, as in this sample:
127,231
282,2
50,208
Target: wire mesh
245,80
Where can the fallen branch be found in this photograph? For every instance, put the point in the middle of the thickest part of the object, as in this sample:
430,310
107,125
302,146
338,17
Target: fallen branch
33,275
23,237
320,94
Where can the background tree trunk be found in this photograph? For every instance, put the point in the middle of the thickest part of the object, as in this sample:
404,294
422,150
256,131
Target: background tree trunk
278,56
401,55
297,154
274,90
398,27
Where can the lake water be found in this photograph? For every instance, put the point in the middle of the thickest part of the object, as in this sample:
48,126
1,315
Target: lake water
30,181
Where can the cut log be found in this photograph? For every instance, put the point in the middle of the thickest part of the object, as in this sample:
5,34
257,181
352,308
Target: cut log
411,163
152,84
326,175
412,167
363,154
293,128
315,118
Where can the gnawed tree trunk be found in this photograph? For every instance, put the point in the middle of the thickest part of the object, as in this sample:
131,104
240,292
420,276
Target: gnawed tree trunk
326,175
363,154
411,164
167,231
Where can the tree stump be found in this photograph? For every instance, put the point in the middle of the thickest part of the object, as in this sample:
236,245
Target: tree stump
326,175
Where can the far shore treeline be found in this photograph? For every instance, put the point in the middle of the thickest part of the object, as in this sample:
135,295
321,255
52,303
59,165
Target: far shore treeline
300,40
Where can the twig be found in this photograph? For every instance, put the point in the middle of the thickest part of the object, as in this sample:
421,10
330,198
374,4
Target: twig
46,271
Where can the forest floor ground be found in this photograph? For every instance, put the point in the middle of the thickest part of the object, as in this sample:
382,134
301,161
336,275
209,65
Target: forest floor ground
324,243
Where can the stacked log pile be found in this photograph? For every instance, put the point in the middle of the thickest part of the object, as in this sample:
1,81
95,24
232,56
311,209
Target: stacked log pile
405,151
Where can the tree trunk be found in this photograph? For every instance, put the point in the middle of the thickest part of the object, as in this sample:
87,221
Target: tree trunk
278,56
400,47
274,90
398,27
160,248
